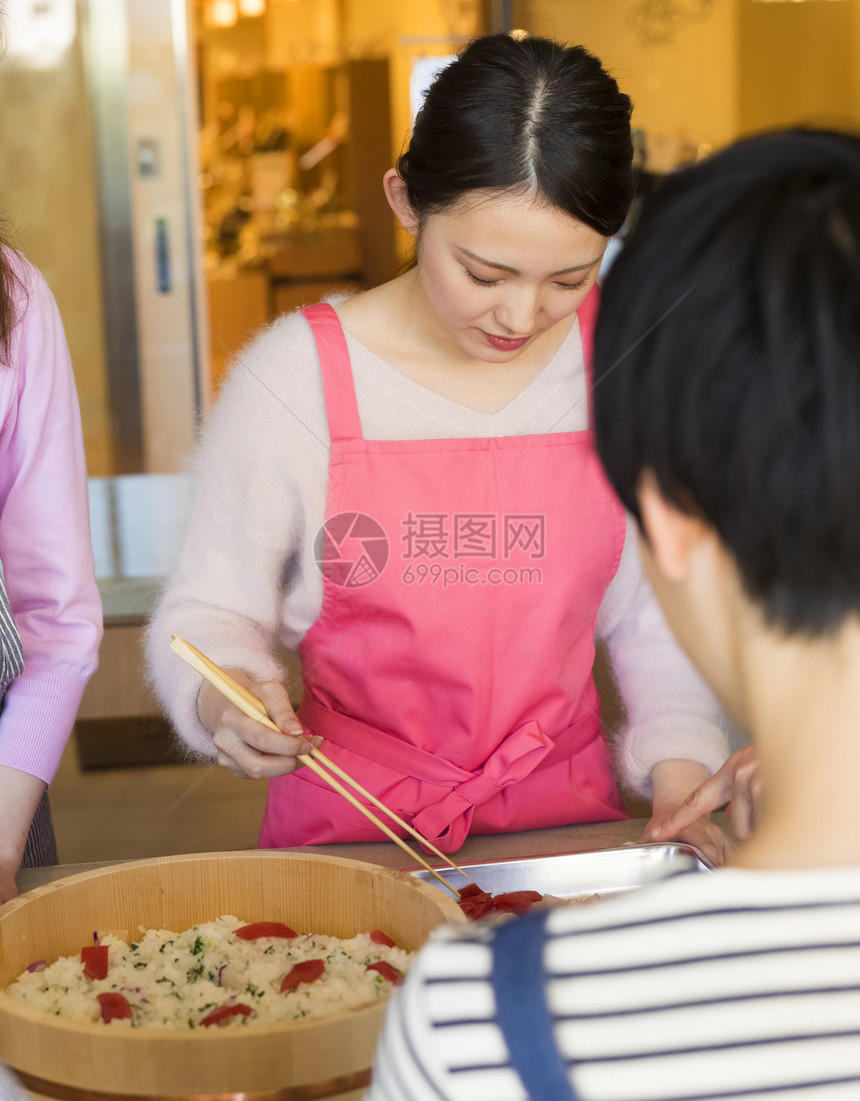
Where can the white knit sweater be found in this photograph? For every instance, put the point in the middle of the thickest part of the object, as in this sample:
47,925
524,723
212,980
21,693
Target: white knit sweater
247,578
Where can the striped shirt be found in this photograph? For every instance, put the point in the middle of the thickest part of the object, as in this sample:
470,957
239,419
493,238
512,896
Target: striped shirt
11,651
741,985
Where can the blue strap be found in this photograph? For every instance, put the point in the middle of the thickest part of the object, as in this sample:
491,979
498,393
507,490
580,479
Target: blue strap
519,983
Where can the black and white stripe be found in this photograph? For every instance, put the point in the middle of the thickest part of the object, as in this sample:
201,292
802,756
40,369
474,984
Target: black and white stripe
41,845
11,652
741,985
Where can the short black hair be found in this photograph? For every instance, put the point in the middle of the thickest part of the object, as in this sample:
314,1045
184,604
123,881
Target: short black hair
727,362
524,114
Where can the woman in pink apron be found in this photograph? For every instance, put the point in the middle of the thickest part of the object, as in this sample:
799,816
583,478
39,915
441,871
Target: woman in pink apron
404,487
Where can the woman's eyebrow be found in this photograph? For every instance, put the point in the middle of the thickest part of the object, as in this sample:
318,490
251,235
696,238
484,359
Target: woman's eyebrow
513,271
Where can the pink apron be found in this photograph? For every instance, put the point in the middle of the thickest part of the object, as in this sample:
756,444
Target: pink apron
450,668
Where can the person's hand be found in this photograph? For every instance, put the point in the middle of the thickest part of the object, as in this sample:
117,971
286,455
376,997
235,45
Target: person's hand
677,814
8,888
703,834
19,797
248,748
737,784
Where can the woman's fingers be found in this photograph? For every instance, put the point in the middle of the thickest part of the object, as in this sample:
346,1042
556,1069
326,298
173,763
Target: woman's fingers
709,839
276,700
713,793
251,749
737,784
255,752
8,889
746,804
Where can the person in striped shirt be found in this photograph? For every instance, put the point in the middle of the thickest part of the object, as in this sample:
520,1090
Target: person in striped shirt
727,411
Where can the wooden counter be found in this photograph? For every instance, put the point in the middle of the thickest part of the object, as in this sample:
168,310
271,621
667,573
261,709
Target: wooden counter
504,846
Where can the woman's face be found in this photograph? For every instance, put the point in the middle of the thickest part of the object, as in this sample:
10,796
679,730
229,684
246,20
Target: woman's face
500,270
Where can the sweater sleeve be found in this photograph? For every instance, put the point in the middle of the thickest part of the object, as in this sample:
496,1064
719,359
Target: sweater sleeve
245,569
45,543
671,713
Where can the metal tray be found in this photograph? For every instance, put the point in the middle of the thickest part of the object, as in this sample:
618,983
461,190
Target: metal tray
568,875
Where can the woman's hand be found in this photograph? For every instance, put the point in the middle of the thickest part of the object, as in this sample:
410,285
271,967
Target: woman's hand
8,887
20,794
737,784
679,814
248,748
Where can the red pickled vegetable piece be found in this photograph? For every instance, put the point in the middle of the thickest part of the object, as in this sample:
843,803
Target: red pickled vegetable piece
477,906
515,902
94,957
259,929
223,1013
378,937
386,971
114,1006
471,889
306,971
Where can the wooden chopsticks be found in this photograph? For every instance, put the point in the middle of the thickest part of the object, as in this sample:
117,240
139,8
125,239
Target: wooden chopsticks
317,761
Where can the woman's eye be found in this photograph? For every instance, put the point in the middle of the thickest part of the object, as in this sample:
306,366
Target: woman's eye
574,286
562,286
480,282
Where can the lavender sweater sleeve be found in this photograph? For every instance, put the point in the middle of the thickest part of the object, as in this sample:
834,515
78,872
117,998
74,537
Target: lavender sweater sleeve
45,544
671,712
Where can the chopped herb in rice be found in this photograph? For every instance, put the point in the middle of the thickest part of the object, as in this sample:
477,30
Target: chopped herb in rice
210,973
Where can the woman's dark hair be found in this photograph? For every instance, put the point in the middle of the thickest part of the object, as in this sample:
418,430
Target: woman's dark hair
9,283
727,362
524,114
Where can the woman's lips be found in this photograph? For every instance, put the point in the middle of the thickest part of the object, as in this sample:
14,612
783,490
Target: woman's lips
504,344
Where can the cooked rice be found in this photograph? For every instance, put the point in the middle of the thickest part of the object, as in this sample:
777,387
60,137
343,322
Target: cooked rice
174,980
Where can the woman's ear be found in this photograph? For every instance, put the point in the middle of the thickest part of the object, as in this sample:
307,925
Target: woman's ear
395,192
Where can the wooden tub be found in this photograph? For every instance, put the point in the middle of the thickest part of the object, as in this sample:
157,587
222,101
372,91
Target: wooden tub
327,1057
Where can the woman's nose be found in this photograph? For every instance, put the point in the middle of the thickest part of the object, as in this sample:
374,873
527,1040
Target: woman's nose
518,311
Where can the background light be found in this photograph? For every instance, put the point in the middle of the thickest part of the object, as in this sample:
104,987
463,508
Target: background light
223,13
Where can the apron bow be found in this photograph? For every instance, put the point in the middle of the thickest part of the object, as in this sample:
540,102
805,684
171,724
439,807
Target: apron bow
516,757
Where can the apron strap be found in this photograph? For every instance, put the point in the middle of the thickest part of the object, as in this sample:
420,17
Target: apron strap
519,985
339,385
340,402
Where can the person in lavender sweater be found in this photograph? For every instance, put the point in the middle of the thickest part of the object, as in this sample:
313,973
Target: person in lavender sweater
51,626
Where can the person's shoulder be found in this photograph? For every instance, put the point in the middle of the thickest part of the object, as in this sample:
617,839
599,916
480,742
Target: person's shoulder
284,341
38,336
27,281
281,353
277,370
20,266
